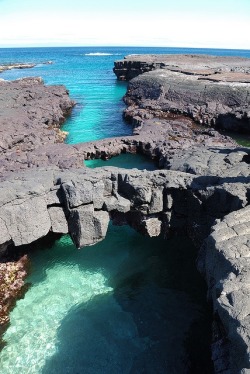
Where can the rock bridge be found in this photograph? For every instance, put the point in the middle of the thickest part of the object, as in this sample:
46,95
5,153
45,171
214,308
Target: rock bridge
213,210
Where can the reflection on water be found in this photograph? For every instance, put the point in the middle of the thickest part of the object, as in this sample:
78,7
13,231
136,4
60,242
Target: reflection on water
125,305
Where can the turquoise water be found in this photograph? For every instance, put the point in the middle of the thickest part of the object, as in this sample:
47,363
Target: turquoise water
91,82
121,306
125,160
128,304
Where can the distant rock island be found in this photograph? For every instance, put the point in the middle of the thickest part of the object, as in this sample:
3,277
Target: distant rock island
176,105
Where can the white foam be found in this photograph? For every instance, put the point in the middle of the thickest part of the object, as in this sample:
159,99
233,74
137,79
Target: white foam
101,54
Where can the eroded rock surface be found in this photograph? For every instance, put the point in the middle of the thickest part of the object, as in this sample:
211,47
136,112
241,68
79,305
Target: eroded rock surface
30,118
227,270
33,203
212,90
205,176
81,202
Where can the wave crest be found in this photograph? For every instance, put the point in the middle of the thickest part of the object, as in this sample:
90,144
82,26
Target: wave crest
101,54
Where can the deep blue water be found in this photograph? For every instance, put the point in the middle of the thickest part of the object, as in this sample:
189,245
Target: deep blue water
128,305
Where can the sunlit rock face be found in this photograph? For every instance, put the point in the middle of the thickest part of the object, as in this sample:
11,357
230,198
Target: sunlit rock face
82,202
205,176
212,90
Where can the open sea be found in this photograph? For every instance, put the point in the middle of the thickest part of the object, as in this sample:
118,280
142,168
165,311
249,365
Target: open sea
127,305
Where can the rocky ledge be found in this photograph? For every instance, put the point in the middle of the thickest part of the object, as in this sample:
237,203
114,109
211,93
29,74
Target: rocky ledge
211,90
202,189
30,117
224,261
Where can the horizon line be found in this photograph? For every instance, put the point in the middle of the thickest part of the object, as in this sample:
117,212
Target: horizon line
120,46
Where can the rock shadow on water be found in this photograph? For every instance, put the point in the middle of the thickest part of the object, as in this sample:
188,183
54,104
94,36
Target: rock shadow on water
154,321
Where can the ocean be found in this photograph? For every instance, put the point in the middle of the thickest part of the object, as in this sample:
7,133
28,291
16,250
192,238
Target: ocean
87,73
128,304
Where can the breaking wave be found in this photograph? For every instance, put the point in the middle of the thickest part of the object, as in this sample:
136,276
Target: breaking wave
101,54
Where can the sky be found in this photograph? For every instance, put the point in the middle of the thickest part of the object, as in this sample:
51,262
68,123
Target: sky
166,23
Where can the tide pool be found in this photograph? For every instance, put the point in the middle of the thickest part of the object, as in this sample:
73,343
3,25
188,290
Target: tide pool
129,304
124,160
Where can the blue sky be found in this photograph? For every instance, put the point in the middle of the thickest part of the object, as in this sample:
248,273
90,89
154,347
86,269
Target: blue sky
183,23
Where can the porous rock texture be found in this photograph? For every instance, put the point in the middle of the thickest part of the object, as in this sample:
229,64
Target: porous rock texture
204,182
224,260
30,118
153,202
212,90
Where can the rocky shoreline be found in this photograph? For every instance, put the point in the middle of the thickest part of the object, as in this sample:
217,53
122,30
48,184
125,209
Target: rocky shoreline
202,189
31,116
212,90
21,66
12,275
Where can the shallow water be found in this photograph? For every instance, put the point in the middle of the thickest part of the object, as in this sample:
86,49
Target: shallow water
128,304
124,160
125,305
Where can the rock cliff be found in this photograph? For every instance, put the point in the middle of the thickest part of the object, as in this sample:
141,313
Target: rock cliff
224,260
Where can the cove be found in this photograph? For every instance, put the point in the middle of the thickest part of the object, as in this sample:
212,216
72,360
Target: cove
129,304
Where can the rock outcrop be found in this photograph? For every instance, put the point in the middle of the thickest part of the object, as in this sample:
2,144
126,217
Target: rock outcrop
21,66
32,204
81,202
31,116
216,68
214,91
12,276
204,181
